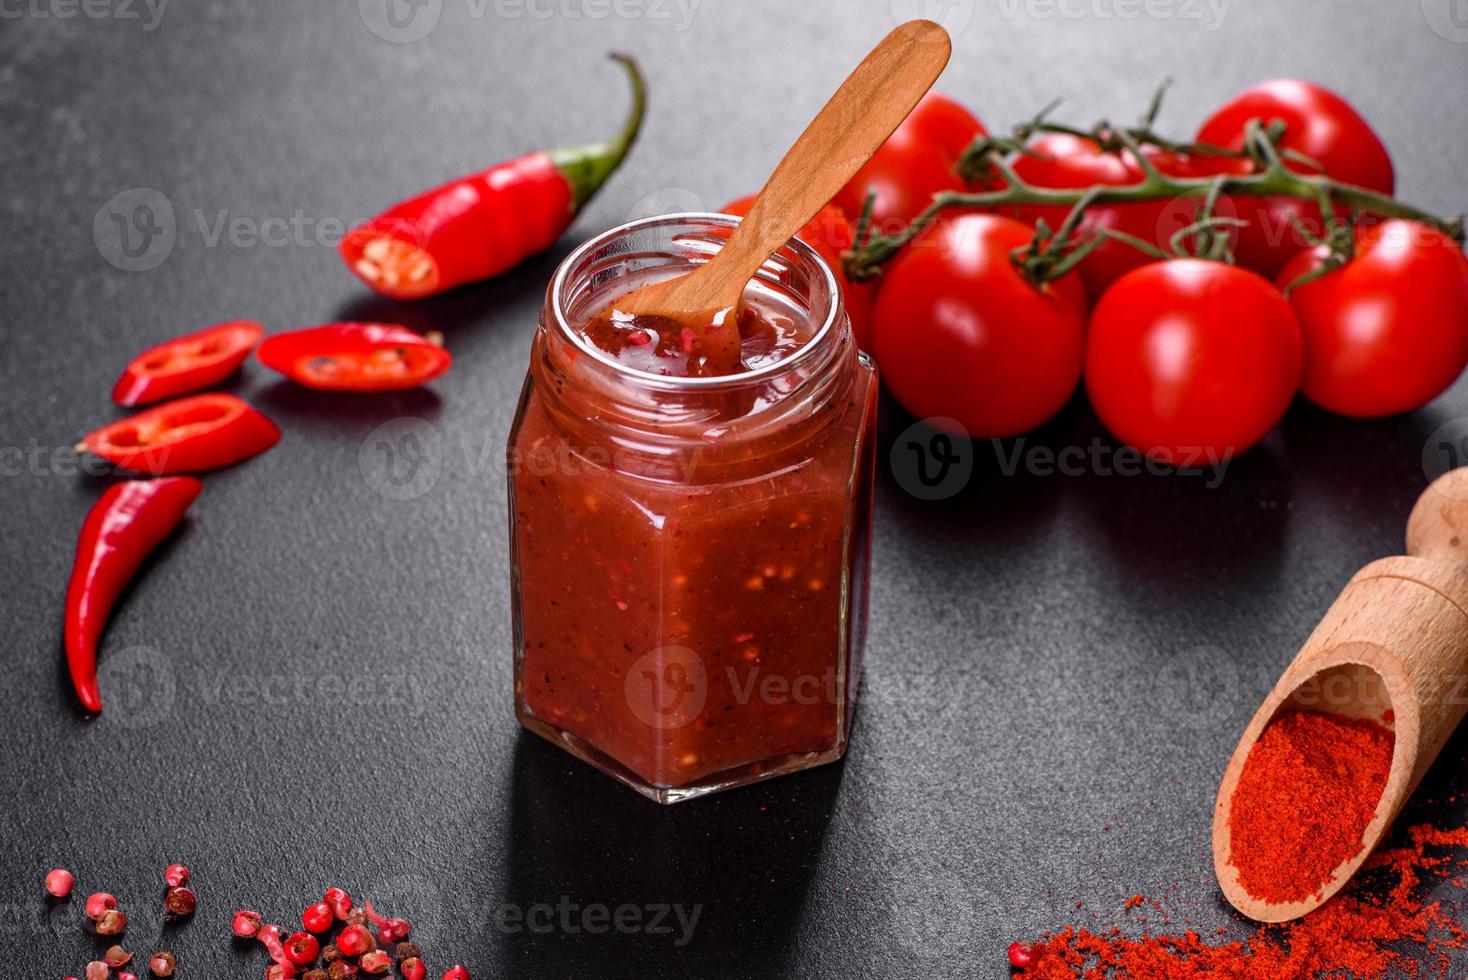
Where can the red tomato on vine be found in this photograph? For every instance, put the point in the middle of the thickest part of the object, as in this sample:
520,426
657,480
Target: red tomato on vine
830,234
960,332
1388,331
915,163
1318,124
1191,361
1066,161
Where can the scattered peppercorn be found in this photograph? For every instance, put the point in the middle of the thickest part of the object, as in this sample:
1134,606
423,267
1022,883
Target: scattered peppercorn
412,968
355,940
456,973
59,882
116,956
97,903
180,901
340,902
112,923
246,924
302,948
162,964
176,876
341,970
97,970
318,917
1020,956
407,949
375,961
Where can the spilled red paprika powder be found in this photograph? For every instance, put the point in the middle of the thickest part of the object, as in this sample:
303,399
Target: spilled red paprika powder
1308,790
1379,924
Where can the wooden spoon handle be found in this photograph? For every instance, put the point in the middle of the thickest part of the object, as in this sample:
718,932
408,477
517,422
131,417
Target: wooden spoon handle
868,106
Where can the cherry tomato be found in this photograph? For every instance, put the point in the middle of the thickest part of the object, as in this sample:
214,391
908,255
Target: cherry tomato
184,364
830,234
187,435
960,333
1191,361
1319,124
1068,161
356,357
915,163
1387,332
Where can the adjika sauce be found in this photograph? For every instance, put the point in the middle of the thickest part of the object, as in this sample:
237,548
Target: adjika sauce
691,545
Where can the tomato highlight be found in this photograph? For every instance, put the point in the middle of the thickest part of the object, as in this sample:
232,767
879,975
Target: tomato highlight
1388,331
1191,361
1320,126
960,333
1067,161
916,162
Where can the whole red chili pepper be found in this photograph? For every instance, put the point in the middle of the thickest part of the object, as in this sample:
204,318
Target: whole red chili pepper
120,530
356,356
184,364
202,432
480,225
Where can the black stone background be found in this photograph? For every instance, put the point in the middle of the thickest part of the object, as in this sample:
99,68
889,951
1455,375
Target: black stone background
1058,665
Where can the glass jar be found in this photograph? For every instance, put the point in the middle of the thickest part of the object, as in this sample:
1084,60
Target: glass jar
690,555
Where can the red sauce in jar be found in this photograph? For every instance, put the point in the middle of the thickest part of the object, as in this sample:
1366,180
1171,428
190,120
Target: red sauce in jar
673,348
691,588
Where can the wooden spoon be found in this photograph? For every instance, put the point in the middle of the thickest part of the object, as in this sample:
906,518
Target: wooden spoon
1396,639
868,106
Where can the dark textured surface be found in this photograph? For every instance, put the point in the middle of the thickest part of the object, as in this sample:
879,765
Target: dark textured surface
312,683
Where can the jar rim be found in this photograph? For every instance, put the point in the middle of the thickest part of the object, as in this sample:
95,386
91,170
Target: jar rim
807,350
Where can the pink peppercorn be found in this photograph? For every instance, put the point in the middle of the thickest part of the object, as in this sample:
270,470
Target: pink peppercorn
59,882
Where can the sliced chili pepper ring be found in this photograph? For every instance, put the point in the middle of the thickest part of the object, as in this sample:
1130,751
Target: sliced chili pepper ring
201,432
397,267
187,363
356,357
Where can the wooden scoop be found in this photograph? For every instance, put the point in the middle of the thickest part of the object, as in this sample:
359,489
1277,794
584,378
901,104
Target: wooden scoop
868,106
1396,639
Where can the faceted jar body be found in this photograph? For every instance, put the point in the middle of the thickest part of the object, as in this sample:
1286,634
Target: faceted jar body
690,555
